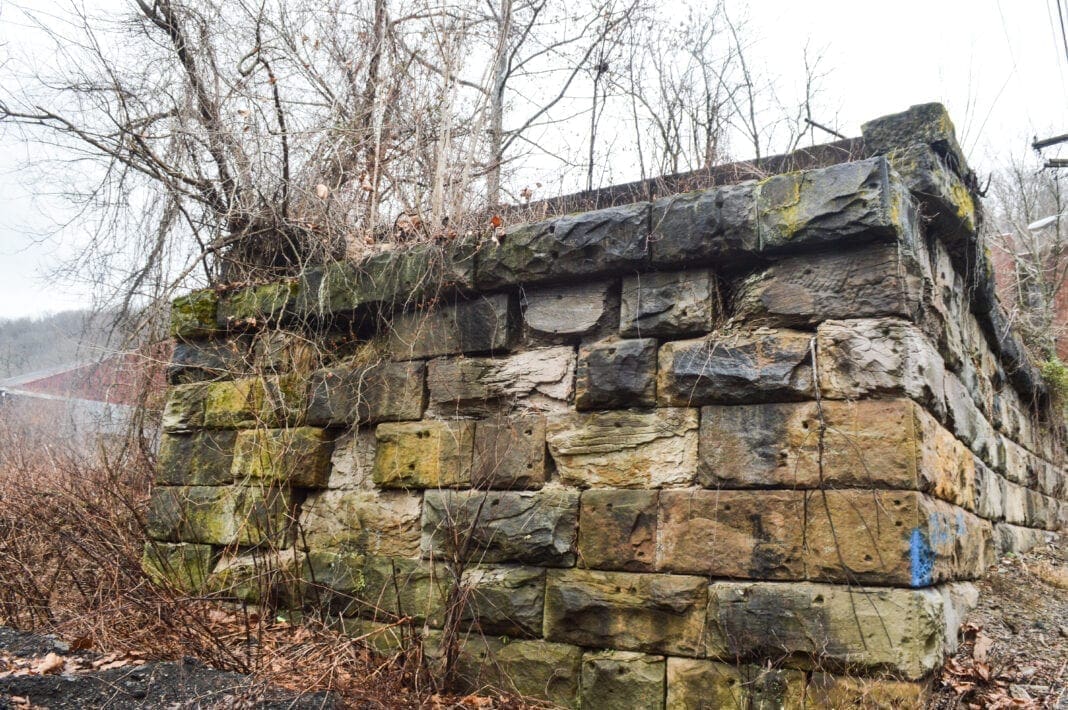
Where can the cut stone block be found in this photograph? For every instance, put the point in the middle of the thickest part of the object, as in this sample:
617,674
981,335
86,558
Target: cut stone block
726,367
622,679
536,528
892,443
510,453
870,358
616,374
989,493
333,579
385,392
567,310
805,290
427,454
201,459
652,613
384,523
193,316
504,600
625,449
830,691
823,625
540,379
254,306
618,530
353,460
394,587
747,534
219,515
715,225
208,360
666,304
694,683
484,324
299,457
184,409
605,241
183,566
1014,538
261,577
893,538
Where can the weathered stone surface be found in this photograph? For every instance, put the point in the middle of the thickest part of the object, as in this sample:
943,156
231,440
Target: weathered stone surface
763,365
625,449
219,515
259,577
959,600
208,360
484,324
989,493
651,613
235,404
384,639
966,421
385,392
867,282
567,310
532,669
427,454
504,600
844,202
717,225
826,691
193,316
535,528
384,523
622,679
585,244
1014,538
395,587
256,305
200,459
748,534
183,566
618,530
923,123
1014,501
827,626
666,304
332,579
299,456
892,537
353,460
616,374
693,683
540,379
184,409
510,453
281,350
864,358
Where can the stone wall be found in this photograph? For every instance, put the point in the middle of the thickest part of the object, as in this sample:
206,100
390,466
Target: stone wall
743,446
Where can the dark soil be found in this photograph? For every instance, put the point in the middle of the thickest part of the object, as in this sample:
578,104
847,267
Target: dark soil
174,685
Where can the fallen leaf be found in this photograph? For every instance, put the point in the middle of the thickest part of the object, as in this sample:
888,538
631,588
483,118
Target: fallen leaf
322,191
52,663
981,650
496,221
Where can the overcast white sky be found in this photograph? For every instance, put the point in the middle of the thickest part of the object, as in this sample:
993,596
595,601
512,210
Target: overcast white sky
999,65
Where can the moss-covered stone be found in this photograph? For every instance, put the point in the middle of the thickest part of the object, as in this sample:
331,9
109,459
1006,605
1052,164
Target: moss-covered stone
257,305
428,454
395,587
193,316
299,457
200,459
622,679
367,394
829,692
384,523
264,515
694,683
183,566
233,404
203,514
259,577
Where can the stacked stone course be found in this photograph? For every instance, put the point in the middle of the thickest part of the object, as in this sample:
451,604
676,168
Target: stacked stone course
740,447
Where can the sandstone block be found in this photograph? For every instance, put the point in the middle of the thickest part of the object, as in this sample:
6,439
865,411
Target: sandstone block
945,200
989,493
616,374
666,304
259,577
693,683
567,310
235,404
183,566
754,534
510,453
396,587
200,459
539,379
427,454
219,515
868,282
193,316
263,515
928,124
1014,538
617,530
864,358
536,528
256,305
585,244
383,523
208,360
626,448
824,625
759,366
332,579
622,679
384,639
892,537
827,692
483,324
353,460
504,600
651,613
184,409
299,456
384,392
532,669
844,202
717,225
1014,500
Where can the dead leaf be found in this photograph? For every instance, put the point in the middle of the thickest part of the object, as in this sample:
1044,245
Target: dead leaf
981,650
52,663
496,221
322,191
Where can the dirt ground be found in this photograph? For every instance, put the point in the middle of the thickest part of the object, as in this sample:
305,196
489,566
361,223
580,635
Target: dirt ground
1015,648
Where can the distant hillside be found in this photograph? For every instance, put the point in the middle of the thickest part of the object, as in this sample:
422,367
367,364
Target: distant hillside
30,344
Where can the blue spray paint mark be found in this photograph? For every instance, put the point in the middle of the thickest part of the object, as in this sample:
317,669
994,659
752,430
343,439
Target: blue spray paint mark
921,558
